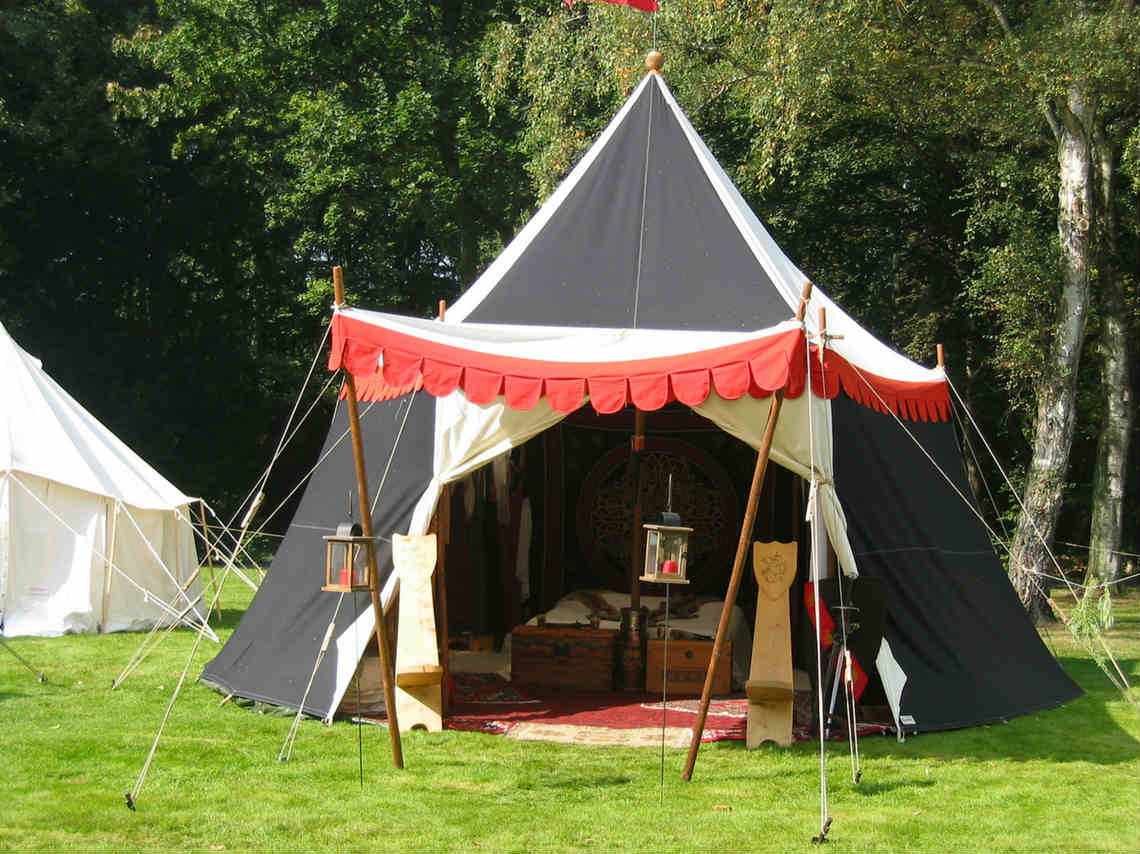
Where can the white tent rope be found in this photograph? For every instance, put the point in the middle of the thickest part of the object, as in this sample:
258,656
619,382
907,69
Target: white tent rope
237,547
287,747
158,558
140,656
1086,587
150,597
981,475
286,436
1031,575
132,795
1088,547
824,808
392,454
1017,497
300,483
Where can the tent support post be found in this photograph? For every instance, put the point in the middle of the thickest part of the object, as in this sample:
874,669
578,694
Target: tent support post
741,552
734,582
386,673
443,536
107,568
637,446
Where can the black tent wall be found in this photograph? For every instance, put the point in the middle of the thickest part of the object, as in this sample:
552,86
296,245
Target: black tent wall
271,653
954,623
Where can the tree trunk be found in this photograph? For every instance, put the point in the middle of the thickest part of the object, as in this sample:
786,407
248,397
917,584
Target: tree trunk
1054,421
1116,385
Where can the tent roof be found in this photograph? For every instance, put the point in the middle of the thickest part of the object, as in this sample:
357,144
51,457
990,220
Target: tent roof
46,432
648,232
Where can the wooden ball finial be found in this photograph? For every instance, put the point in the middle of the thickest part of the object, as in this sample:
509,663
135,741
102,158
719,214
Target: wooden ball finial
654,60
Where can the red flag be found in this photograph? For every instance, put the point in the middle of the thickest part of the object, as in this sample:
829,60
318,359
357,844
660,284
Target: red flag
643,5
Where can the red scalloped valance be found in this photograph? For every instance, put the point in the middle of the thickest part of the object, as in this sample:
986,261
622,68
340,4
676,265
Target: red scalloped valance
757,367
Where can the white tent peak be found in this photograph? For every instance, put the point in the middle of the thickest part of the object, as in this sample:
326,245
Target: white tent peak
46,432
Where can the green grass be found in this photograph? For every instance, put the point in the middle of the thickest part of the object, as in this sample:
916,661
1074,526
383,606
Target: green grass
1062,780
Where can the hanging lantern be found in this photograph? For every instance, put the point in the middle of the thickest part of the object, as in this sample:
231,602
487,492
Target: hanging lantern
348,555
666,553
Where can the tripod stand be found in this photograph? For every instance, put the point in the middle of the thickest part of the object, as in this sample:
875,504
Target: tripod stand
840,670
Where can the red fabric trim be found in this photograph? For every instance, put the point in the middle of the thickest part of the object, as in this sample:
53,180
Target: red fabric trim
376,388
916,401
826,635
757,367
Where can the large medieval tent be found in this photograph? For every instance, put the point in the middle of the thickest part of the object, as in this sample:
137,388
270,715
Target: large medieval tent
91,537
646,282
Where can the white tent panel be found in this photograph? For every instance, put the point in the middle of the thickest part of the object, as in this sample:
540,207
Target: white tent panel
53,558
56,561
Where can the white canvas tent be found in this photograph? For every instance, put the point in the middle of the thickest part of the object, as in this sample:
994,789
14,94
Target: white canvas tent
91,537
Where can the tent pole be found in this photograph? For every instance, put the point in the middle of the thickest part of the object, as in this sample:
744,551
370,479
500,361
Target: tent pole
635,451
741,552
443,535
734,581
107,564
386,675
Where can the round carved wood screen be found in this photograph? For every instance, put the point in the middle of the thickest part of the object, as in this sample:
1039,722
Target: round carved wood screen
703,495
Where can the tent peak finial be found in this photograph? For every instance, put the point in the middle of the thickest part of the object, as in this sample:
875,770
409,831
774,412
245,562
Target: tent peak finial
654,60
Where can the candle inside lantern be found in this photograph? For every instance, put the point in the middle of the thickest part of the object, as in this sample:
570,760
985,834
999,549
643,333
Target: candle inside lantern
343,577
669,567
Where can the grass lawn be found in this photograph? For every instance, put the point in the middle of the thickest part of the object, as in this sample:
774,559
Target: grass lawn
1062,780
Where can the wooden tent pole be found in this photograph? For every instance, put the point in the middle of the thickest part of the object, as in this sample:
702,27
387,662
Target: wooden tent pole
636,448
742,548
386,673
443,536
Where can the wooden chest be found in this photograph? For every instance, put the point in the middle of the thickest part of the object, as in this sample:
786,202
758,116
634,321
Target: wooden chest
564,657
688,663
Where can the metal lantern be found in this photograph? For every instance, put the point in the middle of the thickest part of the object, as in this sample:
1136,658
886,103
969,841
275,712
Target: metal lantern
666,553
348,555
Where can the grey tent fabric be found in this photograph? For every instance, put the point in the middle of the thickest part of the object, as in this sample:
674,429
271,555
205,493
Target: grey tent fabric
273,649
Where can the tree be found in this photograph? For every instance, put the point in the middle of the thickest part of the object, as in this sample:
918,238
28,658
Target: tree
359,124
927,144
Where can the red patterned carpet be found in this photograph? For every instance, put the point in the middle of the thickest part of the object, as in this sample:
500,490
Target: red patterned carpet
489,703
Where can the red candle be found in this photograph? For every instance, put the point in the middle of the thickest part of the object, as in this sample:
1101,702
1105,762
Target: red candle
669,567
344,577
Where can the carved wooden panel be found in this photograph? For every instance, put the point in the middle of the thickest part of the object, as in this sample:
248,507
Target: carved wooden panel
702,493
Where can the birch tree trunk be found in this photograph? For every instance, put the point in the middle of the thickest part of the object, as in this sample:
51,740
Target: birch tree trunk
1072,120
1116,382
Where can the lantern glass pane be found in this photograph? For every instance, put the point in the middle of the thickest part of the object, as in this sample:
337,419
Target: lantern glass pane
652,543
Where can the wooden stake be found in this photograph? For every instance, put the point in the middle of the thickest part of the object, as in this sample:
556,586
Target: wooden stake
386,672
941,357
742,549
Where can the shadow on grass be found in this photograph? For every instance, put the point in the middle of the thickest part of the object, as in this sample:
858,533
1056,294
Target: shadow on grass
1082,730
